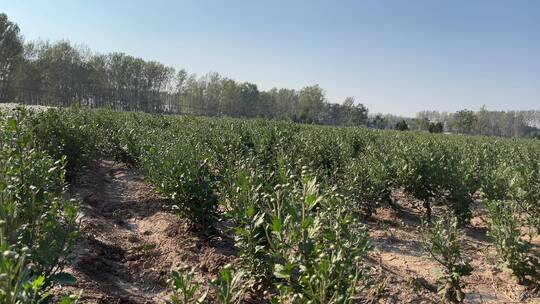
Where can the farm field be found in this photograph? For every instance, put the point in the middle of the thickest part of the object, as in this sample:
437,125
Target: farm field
123,207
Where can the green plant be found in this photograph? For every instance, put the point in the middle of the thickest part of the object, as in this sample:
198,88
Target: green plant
317,245
245,199
35,218
17,285
230,286
186,177
402,126
147,248
71,299
184,288
69,137
419,170
294,236
432,170
514,251
442,239
435,127
366,183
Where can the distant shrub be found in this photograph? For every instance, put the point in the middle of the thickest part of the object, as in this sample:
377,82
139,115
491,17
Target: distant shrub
402,126
435,127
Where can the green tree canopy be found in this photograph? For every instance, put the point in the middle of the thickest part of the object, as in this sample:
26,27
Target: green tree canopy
11,48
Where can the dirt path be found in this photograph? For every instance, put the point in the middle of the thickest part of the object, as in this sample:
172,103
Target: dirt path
130,242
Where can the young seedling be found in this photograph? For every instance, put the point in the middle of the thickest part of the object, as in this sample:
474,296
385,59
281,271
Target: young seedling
147,248
184,288
230,287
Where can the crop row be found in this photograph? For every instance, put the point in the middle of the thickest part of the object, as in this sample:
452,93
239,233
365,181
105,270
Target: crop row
193,157
38,226
294,195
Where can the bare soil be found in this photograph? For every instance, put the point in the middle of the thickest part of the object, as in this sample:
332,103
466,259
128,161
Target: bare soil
409,275
131,241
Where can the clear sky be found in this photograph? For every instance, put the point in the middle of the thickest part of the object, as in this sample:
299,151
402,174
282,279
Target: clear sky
397,57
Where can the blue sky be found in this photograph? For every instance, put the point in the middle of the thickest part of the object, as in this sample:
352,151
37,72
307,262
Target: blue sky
396,56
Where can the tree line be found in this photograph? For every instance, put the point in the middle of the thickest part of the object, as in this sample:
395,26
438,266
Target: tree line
61,73
481,122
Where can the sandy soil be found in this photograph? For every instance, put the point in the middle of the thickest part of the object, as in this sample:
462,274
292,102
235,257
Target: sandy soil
410,275
131,241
